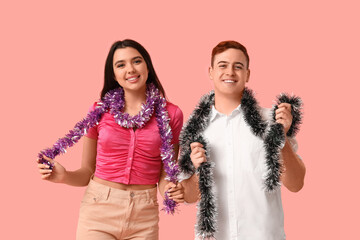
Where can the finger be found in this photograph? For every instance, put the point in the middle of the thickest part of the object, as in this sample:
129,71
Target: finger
197,150
169,186
46,176
195,144
200,149
47,158
194,151
46,161
282,109
177,195
171,191
285,105
285,110
43,166
201,160
174,189
45,171
283,115
199,155
279,110
279,115
179,200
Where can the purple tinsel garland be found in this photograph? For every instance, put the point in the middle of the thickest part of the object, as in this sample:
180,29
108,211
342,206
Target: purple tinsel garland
114,102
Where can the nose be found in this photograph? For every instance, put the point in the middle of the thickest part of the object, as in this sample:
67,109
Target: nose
131,69
230,71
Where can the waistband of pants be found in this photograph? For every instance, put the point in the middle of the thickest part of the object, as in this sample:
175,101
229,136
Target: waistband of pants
122,194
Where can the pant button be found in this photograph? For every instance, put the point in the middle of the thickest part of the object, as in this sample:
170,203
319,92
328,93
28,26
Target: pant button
132,194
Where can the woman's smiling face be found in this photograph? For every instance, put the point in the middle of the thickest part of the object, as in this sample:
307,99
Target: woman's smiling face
130,69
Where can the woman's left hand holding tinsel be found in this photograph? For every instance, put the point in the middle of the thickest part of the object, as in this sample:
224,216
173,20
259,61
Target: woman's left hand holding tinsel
175,192
56,174
283,116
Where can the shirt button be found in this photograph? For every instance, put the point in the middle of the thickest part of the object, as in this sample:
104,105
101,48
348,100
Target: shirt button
130,158
132,194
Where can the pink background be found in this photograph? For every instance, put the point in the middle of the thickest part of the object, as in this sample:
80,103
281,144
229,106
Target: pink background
52,60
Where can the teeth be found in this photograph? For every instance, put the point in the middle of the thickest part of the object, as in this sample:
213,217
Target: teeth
229,81
132,79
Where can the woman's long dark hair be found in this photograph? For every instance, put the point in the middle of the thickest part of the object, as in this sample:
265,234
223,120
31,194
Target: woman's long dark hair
109,79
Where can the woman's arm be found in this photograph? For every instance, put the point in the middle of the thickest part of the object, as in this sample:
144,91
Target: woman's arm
175,191
162,181
79,177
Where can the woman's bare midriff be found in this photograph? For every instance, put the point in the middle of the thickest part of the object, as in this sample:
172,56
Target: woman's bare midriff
126,187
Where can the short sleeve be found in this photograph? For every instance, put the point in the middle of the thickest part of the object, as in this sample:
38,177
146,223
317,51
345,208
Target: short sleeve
293,144
176,121
92,132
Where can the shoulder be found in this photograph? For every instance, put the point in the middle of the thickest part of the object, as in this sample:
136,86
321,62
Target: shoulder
173,110
92,107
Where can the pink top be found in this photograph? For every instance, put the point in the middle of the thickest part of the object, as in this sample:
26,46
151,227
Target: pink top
128,156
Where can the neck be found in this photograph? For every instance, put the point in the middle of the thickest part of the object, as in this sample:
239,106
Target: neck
134,100
226,103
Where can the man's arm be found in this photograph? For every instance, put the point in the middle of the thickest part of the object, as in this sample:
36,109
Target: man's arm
191,185
293,169
191,189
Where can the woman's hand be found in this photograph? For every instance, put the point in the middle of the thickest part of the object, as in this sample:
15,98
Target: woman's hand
197,154
57,174
175,192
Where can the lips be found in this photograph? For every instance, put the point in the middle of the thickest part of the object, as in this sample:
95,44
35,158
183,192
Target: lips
229,80
133,78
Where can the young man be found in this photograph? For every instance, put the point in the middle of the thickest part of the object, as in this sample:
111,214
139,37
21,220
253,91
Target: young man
240,153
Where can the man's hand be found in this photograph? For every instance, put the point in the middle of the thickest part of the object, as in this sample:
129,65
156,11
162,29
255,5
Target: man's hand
283,116
197,154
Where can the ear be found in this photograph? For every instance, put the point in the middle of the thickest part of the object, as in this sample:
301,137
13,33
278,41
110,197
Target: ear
248,75
210,73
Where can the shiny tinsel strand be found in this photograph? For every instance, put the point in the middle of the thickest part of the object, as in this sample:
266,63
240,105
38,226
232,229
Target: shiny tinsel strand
113,102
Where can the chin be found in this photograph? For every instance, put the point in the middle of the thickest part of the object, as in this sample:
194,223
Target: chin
230,91
135,86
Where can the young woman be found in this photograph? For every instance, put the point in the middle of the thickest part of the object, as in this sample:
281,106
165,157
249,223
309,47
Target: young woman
126,154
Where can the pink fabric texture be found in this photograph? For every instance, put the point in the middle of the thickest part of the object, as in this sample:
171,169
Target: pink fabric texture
128,156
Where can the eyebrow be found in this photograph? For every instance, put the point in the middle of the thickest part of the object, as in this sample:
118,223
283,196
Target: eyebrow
228,63
119,61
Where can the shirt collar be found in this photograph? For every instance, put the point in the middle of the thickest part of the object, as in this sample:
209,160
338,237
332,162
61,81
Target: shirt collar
215,113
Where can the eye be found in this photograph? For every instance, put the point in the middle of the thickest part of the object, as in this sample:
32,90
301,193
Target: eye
238,67
138,61
222,66
121,65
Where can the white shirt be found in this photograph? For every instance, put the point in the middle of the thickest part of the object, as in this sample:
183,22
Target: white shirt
245,209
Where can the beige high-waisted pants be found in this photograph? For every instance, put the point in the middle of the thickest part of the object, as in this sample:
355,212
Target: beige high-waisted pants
109,213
